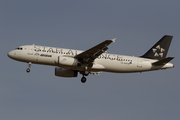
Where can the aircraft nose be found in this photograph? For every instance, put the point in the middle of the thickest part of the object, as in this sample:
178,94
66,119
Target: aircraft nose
10,54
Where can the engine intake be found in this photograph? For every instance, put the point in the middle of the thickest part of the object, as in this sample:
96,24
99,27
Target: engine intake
62,72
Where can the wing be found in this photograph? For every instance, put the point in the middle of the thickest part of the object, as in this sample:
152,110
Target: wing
91,54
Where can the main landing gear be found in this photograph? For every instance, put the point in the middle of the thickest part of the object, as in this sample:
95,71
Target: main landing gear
83,79
85,73
28,69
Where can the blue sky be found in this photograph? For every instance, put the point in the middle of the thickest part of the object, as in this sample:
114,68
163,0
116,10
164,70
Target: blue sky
81,24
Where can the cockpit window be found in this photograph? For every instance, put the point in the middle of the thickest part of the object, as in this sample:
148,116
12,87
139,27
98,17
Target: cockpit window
19,48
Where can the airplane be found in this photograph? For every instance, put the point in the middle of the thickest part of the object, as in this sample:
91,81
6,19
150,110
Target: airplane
95,60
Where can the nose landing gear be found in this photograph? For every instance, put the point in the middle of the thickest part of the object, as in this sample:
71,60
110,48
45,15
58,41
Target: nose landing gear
28,69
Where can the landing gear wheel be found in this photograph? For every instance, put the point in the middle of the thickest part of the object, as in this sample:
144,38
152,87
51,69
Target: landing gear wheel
83,79
86,73
28,70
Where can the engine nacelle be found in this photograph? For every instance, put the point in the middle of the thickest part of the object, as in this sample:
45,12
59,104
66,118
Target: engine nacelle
67,61
62,72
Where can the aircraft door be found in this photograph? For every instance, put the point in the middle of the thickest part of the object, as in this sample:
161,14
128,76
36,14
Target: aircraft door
57,60
30,50
139,63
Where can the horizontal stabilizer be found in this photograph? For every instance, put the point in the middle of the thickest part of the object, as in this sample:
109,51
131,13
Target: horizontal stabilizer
163,61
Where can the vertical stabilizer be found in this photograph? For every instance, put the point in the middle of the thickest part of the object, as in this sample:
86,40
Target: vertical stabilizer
160,49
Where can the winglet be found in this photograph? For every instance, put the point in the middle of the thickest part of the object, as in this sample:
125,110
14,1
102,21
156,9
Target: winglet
113,39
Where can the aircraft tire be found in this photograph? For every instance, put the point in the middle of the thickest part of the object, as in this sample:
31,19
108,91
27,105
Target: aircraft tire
28,70
86,73
83,79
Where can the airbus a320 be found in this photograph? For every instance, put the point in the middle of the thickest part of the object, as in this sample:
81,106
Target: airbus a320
70,62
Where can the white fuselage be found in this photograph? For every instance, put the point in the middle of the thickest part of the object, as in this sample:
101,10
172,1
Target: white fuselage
105,62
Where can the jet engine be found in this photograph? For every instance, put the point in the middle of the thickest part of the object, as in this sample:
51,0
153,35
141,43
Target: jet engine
62,72
67,61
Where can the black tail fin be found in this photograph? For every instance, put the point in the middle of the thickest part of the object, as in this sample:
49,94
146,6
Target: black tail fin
160,49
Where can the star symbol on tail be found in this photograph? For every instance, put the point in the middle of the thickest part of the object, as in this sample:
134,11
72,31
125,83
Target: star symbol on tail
158,51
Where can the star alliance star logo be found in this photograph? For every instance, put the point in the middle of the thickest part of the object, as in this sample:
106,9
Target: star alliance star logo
158,51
